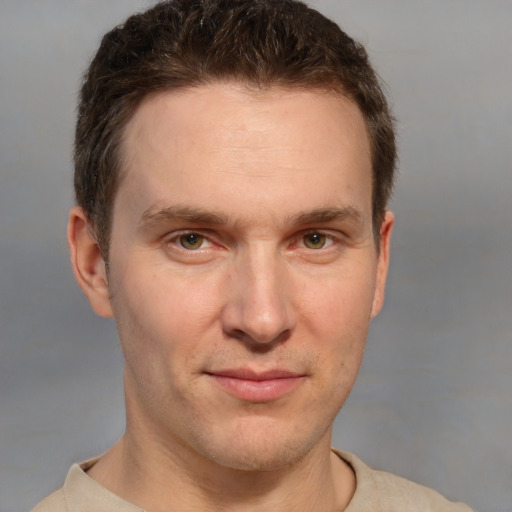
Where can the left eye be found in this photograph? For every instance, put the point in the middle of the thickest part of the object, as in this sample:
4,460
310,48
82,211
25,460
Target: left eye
191,241
315,240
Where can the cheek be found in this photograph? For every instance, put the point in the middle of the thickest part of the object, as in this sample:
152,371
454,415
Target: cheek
338,305
336,319
161,320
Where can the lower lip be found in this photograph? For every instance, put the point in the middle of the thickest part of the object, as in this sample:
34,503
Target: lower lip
257,390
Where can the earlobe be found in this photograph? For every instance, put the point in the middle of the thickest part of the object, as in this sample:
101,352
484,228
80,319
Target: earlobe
87,262
383,263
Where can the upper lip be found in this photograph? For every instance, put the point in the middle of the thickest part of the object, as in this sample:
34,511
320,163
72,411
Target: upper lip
249,374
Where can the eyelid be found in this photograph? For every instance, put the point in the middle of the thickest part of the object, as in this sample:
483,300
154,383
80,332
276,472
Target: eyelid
329,235
174,237
333,238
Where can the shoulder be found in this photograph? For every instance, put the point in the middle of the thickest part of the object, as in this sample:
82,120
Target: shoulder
396,492
81,493
55,502
385,492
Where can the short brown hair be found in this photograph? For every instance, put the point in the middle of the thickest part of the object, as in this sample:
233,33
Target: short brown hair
184,43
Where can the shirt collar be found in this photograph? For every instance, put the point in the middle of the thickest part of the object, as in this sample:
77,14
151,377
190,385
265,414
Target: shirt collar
84,494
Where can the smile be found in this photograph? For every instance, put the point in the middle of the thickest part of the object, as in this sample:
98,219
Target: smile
263,387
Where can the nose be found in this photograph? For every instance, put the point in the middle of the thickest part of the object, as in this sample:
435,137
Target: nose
259,310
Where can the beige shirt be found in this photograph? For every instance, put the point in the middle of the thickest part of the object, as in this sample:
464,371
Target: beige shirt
376,491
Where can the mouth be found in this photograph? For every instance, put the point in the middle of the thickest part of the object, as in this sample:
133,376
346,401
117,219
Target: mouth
257,387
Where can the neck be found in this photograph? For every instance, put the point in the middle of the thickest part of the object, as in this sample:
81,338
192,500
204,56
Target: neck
145,472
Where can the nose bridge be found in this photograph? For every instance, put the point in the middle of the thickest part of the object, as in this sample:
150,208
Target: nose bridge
259,307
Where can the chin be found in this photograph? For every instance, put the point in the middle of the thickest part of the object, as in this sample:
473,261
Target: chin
260,446
253,459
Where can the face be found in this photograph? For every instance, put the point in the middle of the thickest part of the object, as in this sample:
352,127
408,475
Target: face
243,269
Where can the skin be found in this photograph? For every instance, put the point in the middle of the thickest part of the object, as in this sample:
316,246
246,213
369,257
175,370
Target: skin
241,242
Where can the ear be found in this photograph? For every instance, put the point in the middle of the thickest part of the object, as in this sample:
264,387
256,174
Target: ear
87,261
382,263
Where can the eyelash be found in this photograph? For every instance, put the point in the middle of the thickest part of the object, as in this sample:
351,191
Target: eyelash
177,237
329,240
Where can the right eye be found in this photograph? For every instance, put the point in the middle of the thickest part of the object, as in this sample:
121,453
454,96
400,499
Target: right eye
192,241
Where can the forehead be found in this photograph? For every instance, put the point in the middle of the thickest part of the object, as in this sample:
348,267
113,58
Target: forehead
261,147
216,110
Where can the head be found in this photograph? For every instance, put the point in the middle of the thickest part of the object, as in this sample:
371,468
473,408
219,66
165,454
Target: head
234,159
188,43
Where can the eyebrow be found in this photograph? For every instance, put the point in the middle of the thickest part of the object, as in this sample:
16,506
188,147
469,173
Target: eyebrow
199,216
323,215
187,213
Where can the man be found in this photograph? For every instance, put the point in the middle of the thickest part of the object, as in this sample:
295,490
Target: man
233,162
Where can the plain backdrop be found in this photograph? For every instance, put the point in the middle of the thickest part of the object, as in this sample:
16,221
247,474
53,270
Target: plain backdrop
433,401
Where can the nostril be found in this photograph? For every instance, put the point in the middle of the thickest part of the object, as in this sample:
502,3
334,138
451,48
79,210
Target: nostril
259,345
237,334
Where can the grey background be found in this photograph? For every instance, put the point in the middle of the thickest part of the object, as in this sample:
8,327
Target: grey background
434,398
